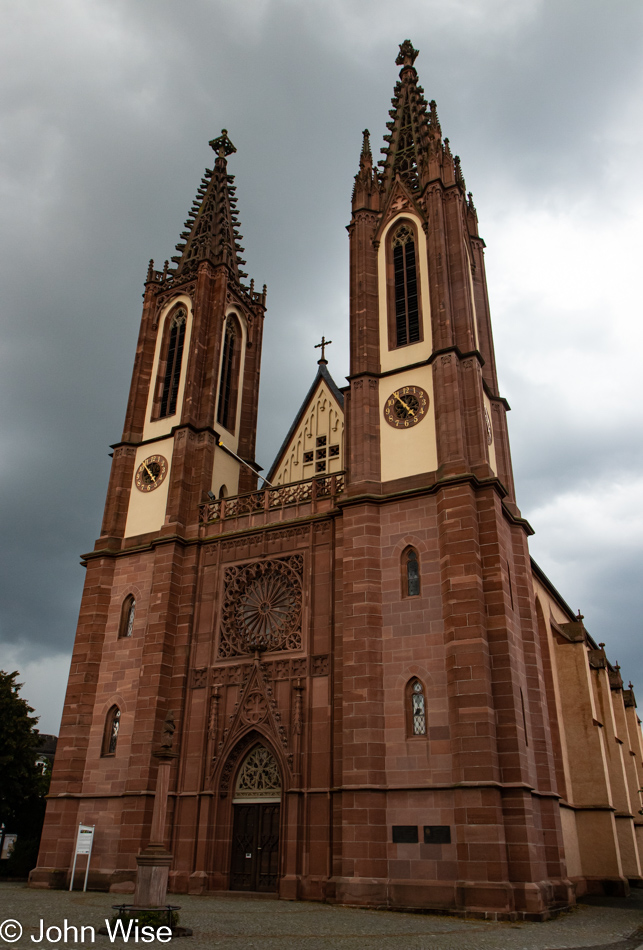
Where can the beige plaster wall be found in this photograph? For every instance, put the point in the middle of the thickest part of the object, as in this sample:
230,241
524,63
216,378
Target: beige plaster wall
492,447
146,510
414,450
225,471
473,300
414,352
570,840
323,417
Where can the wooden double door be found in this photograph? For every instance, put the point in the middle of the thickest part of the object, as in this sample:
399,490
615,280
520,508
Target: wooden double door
255,847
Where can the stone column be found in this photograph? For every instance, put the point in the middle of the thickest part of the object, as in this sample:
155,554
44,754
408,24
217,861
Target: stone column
154,861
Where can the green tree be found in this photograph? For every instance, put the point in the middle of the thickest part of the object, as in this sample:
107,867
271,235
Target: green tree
23,784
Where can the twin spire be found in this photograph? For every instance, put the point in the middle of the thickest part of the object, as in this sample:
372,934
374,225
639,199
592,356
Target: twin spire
415,151
212,225
415,154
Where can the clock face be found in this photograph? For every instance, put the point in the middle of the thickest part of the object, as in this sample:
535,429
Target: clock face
151,473
406,407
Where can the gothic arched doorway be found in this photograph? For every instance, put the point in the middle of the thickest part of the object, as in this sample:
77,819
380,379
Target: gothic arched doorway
255,832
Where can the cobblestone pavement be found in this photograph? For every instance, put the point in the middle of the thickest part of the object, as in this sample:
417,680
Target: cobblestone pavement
241,923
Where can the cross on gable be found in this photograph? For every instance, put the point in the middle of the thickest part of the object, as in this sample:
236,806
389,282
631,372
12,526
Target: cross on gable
324,343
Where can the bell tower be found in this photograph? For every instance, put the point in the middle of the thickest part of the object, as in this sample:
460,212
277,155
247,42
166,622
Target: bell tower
437,596
189,430
192,407
420,332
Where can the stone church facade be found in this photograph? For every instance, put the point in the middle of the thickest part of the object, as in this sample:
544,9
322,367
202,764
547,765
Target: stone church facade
378,697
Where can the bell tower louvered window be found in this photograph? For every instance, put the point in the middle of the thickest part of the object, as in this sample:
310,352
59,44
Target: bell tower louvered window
172,375
407,317
227,405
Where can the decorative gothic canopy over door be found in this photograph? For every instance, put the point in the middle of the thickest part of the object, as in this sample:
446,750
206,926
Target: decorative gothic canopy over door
255,836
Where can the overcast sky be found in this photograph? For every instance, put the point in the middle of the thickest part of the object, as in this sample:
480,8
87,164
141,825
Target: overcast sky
107,109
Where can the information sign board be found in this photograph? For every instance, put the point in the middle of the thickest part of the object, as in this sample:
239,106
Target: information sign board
84,843
84,839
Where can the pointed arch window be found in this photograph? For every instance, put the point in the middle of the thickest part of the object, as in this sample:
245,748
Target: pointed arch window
407,314
172,375
403,285
128,612
259,777
227,403
112,726
410,573
415,708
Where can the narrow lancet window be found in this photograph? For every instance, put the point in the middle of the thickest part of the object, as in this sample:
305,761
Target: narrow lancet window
127,616
416,710
227,394
112,725
173,365
410,573
407,317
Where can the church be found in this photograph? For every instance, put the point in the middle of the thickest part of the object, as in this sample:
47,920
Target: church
377,697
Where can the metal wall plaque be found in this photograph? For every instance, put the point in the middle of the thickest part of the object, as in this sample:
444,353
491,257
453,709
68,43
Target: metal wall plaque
437,834
405,834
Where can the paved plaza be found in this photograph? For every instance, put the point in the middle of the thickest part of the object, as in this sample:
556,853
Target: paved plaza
242,923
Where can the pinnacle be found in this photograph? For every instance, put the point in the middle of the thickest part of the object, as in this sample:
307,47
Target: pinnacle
222,145
407,54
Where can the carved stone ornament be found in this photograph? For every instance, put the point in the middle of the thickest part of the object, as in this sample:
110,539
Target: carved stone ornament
199,678
398,204
488,427
407,54
262,605
255,708
259,776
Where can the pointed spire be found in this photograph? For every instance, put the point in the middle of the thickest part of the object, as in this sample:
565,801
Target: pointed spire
472,216
459,177
366,188
414,149
407,140
366,157
211,229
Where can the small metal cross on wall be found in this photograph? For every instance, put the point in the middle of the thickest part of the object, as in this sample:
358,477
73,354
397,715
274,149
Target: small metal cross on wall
324,343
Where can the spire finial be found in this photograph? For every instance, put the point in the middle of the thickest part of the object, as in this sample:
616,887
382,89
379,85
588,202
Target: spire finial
324,343
222,145
407,54
579,616
366,156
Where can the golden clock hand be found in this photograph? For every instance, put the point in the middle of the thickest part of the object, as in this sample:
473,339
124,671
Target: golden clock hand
148,472
401,401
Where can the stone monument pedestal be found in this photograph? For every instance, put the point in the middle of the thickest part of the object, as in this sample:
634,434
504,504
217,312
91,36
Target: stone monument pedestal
151,876
154,861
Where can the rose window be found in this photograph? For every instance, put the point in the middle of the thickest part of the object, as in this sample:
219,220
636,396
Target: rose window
262,607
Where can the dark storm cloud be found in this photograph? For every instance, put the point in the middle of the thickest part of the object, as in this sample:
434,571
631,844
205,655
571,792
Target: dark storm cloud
107,111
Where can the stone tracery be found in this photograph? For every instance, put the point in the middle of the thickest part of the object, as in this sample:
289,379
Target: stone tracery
262,607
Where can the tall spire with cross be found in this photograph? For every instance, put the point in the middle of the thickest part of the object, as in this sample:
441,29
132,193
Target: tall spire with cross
212,225
414,151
